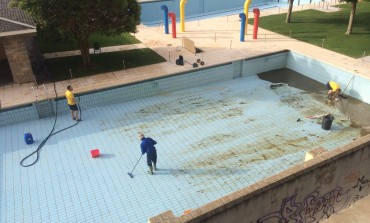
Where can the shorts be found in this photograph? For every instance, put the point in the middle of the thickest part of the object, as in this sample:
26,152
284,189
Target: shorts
73,107
151,157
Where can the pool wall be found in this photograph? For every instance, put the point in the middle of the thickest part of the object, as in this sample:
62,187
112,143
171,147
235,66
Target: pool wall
18,114
151,12
337,179
353,84
314,69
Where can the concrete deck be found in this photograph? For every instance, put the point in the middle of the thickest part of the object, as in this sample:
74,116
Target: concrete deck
357,213
219,39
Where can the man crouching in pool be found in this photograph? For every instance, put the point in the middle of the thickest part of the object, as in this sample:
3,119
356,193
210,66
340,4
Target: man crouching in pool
334,90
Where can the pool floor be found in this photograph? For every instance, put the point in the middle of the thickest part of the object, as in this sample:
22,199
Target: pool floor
212,140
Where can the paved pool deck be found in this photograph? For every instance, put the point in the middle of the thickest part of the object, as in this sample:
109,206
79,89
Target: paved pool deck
66,185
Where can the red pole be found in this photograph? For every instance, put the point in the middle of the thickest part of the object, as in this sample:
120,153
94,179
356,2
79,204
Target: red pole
256,12
173,20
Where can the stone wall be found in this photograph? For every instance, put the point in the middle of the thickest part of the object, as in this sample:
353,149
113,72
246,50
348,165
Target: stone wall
310,192
18,58
2,51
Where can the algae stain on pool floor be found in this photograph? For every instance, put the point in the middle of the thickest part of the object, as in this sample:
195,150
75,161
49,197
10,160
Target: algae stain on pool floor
357,111
257,132
226,131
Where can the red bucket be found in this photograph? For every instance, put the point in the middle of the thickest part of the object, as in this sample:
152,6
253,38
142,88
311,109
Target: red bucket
95,153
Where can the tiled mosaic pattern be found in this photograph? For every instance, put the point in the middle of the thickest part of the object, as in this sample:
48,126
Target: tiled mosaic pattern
212,140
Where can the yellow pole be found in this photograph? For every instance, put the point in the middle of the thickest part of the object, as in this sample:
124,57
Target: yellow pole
182,14
246,8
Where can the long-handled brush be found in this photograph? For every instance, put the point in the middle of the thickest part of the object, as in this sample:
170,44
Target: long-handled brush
130,173
312,117
341,95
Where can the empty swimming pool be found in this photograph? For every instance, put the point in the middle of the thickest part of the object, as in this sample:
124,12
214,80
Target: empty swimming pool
212,140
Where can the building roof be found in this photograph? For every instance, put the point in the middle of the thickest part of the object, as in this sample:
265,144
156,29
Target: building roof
13,19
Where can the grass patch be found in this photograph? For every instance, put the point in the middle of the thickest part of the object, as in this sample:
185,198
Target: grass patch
68,45
326,29
105,62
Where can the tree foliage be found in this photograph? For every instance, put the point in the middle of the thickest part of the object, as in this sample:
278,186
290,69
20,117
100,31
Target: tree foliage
78,19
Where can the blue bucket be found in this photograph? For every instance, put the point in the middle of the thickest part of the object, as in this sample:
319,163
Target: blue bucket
28,138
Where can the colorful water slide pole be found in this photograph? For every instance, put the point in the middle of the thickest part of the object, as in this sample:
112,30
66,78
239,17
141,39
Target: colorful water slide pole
173,20
242,27
182,14
165,18
256,13
246,8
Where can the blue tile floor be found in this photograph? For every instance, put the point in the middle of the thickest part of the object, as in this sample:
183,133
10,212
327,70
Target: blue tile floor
212,140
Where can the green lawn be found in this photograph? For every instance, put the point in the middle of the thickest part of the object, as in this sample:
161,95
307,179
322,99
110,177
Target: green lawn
60,46
105,62
326,29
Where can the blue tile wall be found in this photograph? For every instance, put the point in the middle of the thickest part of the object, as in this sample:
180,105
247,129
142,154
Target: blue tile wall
263,64
151,11
355,86
238,69
62,106
18,115
154,87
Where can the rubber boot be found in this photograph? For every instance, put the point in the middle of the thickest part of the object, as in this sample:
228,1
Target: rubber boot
150,170
155,166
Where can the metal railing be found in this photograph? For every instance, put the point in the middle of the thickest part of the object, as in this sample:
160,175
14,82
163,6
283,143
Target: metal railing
34,92
45,91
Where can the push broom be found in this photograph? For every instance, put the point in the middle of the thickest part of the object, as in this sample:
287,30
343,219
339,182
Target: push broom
130,173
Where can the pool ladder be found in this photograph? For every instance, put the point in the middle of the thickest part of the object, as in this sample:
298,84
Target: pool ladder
44,107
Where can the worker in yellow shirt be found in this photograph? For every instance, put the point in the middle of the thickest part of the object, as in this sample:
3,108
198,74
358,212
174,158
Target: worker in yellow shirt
334,90
72,103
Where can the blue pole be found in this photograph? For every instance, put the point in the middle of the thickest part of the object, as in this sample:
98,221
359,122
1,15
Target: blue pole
242,28
165,18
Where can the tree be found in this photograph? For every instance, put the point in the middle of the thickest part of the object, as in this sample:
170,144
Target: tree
351,16
289,14
78,19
